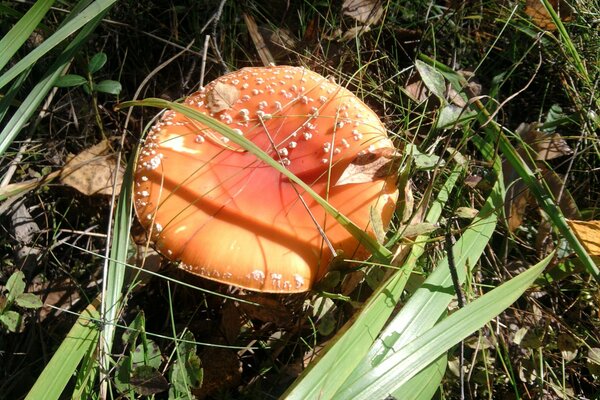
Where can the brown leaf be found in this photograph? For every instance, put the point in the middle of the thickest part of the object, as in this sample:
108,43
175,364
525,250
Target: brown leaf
588,233
539,16
222,97
371,166
365,11
93,171
546,146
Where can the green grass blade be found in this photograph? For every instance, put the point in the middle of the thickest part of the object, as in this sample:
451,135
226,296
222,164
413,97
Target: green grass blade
386,377
535,185
84,18
424,384
35,97
378,250
425,307
327,374
115,273
21,31
81,341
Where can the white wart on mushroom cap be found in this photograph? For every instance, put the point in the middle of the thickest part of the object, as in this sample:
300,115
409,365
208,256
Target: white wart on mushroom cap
228,216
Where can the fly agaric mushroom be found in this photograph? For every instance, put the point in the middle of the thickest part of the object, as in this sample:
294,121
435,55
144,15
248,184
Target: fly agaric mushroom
229,217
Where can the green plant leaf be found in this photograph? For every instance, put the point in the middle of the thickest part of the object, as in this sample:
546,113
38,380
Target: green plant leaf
70,80
187,373
81,340
432,78
29,300
401,365
97,62
123,374
147,381
423,385
11,320
22,30
82,19
108,86
30,105
345,351
15,285
135,328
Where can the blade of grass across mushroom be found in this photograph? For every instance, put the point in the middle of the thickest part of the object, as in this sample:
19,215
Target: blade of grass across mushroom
400,366
377,250
495,134
341,356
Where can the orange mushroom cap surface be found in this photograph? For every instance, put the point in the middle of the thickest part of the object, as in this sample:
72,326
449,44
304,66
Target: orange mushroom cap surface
228,216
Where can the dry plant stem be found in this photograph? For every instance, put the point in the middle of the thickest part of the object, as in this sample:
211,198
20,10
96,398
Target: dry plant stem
203,65
12,168
215,19
261,48
518,92
150,76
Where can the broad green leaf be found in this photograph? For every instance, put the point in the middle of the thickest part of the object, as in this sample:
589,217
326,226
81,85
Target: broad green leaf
495,134
123,374
147,381
108,86
147,354
423,385
187,373
426,306
135,328
345,351
95,9
22,30
114,269
70,80
81,340
401,365
29,300
97,62
29,106
11,320
432,78
15,285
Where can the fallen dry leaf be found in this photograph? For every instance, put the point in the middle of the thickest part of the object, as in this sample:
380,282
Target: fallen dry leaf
367,12
539,16
546,146
222,97
370,166
588,233
93,171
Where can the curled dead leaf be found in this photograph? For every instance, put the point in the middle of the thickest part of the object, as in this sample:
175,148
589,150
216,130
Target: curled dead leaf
93,171
588,233
222,97
539,15
371,166
367,12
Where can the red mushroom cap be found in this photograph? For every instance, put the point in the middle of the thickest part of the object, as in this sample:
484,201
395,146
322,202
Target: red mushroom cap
228,216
